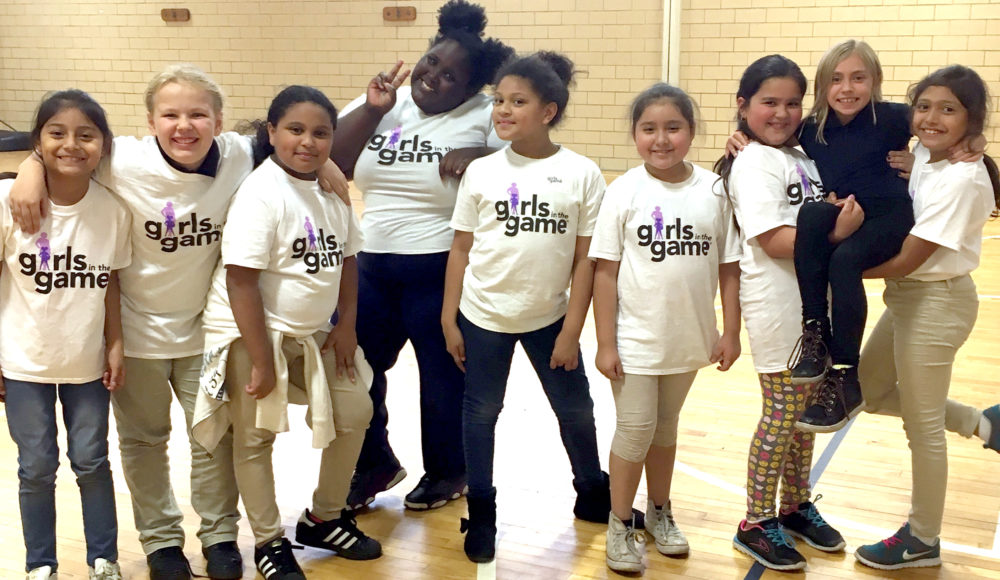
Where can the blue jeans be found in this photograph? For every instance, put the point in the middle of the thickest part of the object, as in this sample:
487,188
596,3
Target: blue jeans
488,356
31,417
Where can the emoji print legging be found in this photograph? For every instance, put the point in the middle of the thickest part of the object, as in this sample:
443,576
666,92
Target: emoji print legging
779,450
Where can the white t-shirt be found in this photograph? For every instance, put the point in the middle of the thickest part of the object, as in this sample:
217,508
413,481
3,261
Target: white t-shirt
951,203
407,204
298,237
768,186
525,215
670,239
177,221
52,287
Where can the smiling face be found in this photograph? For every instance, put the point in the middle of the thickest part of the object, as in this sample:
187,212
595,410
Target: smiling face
940,121
70,144
774,112
663,137
850,88
185,122
440,79
302,139
518,112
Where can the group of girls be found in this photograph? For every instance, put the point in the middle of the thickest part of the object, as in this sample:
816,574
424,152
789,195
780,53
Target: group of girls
499,243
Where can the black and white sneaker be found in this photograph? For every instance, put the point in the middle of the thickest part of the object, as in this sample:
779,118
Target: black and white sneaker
365,485
340,535
808,525
810,357
275,561
767,543
432,493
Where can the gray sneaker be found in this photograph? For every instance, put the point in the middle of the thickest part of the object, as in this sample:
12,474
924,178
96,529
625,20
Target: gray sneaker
625,546
670,541
105,570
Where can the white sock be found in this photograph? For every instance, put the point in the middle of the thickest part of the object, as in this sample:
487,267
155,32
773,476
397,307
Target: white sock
985,428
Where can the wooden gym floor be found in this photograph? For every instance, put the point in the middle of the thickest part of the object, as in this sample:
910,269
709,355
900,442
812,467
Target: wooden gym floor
863,474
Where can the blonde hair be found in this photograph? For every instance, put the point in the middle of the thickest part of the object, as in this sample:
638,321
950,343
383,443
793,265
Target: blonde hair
189,74
824,78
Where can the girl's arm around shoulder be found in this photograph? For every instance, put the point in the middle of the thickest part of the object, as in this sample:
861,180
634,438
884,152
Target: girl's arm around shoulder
114,344
728,348
343,339
248,311
606,318
566,352
458,261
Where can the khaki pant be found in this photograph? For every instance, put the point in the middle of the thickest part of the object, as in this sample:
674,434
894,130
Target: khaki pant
352,410
142,412
905,371
647,407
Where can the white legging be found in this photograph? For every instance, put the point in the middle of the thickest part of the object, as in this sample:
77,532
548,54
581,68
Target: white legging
648,407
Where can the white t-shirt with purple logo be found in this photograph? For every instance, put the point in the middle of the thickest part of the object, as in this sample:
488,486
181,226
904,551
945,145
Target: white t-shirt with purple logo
670,239
951,203
53,284
525,215
298,237
177,221
407,204
768,186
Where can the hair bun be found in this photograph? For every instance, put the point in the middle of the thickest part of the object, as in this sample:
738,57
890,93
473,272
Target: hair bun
562,66
461,15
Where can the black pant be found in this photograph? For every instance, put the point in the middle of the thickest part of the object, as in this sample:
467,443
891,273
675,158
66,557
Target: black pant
820,264
399,299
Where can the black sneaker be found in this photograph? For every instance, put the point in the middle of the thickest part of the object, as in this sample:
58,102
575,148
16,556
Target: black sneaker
837,401
807,524
341,536
432,493
224,561
365,485
767,543
168,564
275,561
810,358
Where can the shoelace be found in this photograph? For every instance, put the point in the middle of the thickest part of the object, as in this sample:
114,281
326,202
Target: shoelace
633,539
892,541
778,537
281,556
812,514
828,391
809,344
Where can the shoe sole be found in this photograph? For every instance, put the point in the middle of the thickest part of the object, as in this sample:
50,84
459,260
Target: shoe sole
808,428
829,549
421,507
669,550
344,555
746,550
921,563
623,566
400,476
807,380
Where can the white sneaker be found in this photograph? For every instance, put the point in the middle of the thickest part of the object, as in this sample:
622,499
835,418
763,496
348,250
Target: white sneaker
105,570
625,546
669,539
42,573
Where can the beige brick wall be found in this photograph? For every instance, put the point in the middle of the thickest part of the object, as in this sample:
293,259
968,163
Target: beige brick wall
719,38
112,48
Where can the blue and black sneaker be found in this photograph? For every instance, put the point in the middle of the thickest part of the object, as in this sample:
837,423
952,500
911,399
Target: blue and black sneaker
900,550
806,523
767,543
993,416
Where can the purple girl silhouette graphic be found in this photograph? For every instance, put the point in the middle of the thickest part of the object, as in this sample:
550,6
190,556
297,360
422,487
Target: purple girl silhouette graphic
394,137
169,219
806,187
658,223
515,198
44,251
311,234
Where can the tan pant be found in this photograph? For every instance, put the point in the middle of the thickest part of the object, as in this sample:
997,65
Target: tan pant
905,371
352,410
648,408
142,412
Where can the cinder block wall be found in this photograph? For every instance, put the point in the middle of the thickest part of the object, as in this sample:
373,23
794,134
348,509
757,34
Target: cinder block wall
111,48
